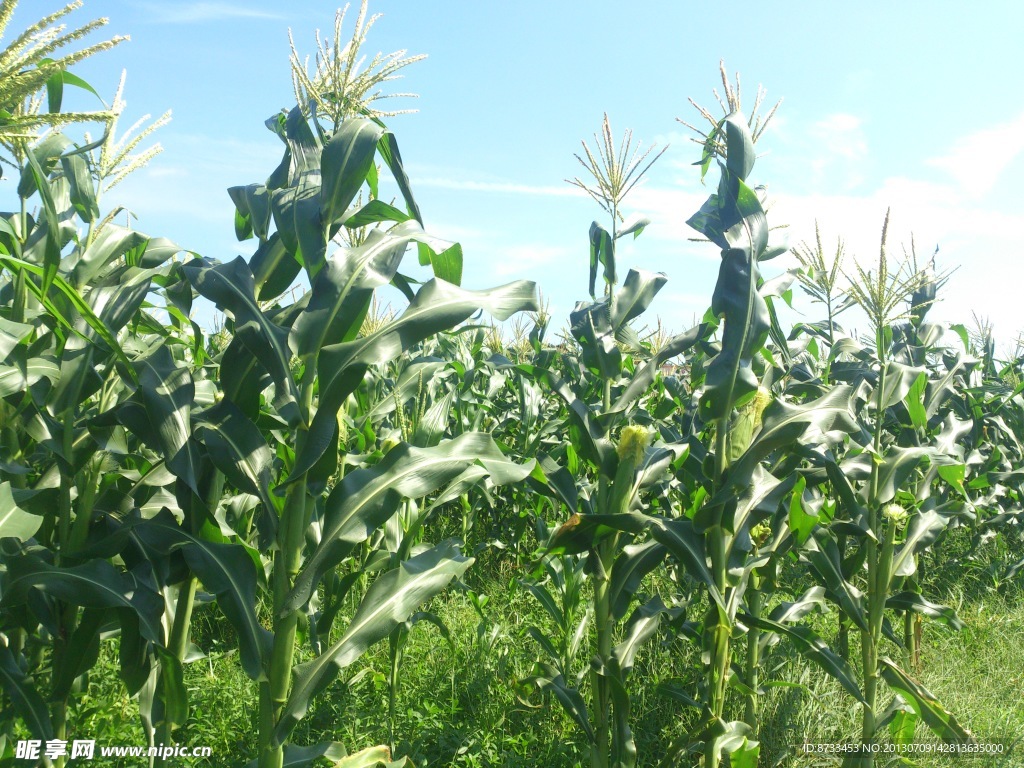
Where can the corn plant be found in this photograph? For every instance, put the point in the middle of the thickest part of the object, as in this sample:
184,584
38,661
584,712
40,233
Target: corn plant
891,509
295,216
733,493
73,284
598,398
741,494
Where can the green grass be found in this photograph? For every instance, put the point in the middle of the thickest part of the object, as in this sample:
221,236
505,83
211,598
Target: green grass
463,704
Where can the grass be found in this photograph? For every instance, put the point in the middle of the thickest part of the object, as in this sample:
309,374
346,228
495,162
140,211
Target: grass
463,704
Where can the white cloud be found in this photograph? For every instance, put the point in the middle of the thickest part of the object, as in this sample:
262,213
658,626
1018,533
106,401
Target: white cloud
977,160
971,235
189,13
167,172
527,261
839,149
668,209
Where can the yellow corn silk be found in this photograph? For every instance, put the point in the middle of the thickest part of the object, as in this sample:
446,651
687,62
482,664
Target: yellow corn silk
632,443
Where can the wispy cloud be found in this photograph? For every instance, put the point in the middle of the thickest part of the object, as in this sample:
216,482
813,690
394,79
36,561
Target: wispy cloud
978,160
528,260
500,186
840,148
190,13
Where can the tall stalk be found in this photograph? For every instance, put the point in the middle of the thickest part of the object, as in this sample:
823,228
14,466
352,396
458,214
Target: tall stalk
615,171
287,559
878,563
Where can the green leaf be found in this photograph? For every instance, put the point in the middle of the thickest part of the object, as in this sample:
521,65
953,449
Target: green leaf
642,379
734,220
800,522
629,570
367,497
413,374
912,601
590,327
902,727
824,557
735,507
636,294
791,612
898,466
734,739
388,603
602,251
18,378
388,149
23,696
297,217
445,258
15,523
915,402
274,269
237,448
740,154
11,335
547,678
155,253
432,425
684,543
167,393
228,571
242,378
80,653
587,436
95,584
954,474
899,379
232,288
814,648
922,529
83,194
76,301
634,228
52,246
252,204
438,306
783,424
342,291
374,212
730,379
120,303
344,164
47,154
55,86
924,704
304,145
172,689
642,626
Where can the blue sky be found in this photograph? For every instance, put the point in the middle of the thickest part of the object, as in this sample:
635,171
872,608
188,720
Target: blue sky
918,106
